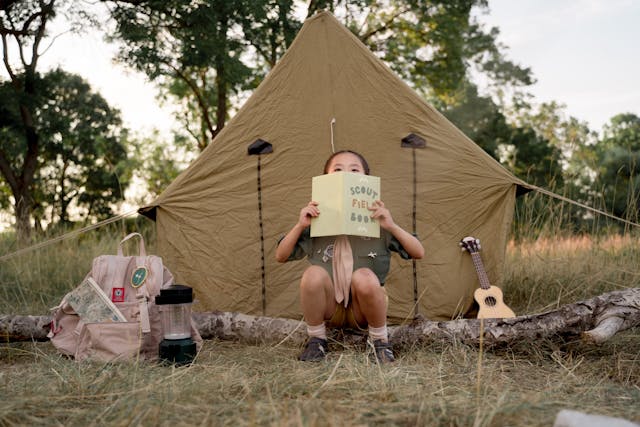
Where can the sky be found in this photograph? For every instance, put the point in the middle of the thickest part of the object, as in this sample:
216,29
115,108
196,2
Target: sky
584,54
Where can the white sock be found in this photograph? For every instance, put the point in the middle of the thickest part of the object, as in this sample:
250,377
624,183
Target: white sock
378,333
318,331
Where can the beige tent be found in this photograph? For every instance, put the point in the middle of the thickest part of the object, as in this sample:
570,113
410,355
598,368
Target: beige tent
219,222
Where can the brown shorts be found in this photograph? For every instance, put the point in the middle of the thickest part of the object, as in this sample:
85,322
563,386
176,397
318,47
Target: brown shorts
344,317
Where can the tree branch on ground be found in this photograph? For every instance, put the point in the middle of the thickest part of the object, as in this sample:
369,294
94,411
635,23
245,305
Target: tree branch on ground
594,320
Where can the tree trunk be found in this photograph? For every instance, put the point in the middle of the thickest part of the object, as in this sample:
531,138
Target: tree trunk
595,320
23,220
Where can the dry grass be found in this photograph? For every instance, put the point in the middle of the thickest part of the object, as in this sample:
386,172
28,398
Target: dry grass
239,385
243,385
34,282
542,274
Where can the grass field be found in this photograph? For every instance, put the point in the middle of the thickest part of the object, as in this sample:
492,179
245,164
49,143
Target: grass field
232,384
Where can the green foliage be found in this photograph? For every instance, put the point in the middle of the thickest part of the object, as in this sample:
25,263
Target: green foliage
521,148
534,159
159,164
10,135
82,158
51,134
432,44
552,151
481,120
618,165
204,53
85,148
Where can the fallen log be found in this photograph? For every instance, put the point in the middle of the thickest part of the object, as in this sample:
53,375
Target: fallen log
24,328
594,320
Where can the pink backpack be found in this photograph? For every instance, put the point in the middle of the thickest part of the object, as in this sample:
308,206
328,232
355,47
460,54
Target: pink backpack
131,283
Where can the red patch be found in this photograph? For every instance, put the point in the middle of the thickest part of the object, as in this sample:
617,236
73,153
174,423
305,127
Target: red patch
117,294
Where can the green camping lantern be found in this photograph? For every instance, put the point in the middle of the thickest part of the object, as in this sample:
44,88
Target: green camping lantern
174,303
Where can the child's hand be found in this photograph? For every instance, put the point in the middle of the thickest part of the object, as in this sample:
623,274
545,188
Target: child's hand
382,214
308,212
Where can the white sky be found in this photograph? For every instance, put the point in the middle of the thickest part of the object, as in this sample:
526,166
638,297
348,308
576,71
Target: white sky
585,54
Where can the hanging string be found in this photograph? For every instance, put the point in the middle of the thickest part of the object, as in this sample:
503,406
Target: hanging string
333,122
415,233
66,236
262,255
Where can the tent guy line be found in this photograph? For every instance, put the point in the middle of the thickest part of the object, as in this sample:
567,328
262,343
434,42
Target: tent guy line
582,205
66,236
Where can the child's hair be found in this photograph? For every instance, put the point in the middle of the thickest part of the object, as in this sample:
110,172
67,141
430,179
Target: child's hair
365,165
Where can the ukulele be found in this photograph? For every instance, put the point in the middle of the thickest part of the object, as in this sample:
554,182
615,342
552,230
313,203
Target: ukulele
488,297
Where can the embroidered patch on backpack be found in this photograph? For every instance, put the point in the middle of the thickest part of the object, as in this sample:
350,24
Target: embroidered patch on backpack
138,277
117,295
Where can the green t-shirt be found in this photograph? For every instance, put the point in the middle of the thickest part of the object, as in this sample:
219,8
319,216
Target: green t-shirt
368,252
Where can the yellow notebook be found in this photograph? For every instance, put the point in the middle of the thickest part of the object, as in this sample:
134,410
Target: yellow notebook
343,199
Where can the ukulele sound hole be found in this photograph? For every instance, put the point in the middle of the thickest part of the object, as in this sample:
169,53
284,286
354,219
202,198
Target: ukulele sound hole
490,301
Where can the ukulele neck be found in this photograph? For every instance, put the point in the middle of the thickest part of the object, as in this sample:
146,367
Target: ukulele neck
482,274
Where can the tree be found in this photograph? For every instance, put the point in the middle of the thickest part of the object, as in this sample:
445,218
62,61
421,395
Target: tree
25,23
160,164
480,118
82,161
533,158
198,52
618,165
595,320
60,143
567,134
555,153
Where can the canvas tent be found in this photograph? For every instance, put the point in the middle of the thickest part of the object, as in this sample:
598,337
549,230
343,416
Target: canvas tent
219,222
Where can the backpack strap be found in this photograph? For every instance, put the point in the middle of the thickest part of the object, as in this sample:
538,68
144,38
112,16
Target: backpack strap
147,290
142,249
142,295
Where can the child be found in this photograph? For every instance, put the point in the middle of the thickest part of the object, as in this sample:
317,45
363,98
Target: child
344,284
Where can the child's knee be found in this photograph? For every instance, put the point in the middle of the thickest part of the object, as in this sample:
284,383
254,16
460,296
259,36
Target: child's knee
314,277
365,275
365,281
